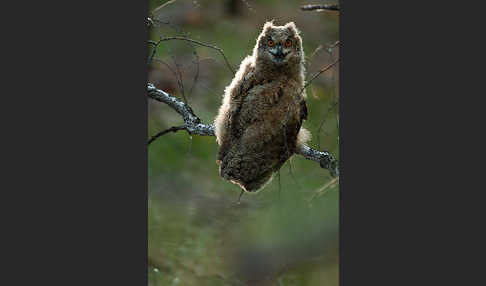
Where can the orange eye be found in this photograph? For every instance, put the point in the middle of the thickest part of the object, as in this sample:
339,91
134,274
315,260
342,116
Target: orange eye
270,43
288,43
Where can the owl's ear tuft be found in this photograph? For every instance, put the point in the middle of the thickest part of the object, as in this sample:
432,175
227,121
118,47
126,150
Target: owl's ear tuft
267,26
292,28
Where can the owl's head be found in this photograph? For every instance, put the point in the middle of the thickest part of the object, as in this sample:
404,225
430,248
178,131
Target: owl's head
279,45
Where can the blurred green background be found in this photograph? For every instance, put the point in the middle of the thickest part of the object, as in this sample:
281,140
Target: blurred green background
287,234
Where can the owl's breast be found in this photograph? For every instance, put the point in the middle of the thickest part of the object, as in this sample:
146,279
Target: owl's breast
270,117
275,102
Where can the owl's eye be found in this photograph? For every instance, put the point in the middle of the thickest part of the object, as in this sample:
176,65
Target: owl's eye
270,43
288,43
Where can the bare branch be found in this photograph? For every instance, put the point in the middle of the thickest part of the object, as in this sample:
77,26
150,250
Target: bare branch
312,7
178,74
325,159
162,133
196,76
193,126
192,123
322,123
333,45
168,67
156,45
314,53
162,6
324,189
321,71
201,44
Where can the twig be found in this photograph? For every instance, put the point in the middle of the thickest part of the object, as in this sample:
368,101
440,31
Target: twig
167,66
196,76
172,129
156,45
162,6
329,48
321,71
292,175
179,74
314,53
324,189
193,126
322,123
201,44
311,7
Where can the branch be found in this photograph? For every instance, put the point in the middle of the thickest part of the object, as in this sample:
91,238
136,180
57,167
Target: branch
325,159
202,44
162,6
329,48
193,126
172,129
311,7
321,71
322,123
192,123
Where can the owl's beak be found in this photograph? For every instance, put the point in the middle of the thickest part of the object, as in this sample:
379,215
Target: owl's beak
279,55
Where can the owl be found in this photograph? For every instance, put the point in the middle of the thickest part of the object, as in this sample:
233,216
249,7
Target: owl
259,124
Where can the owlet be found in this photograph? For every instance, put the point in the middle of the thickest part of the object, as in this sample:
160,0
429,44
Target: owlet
259,123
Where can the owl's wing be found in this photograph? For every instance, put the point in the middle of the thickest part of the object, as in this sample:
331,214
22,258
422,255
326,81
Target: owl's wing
233,128
234,125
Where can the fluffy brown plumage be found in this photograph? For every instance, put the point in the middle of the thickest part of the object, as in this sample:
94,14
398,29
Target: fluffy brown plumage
259,123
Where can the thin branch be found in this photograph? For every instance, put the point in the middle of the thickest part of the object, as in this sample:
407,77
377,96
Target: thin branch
196,76
292,175
312,7
162,133
322,123
167,66
179,74
314,53
321,71
324,189
193,125
334,45
156,45
202,44
162,6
